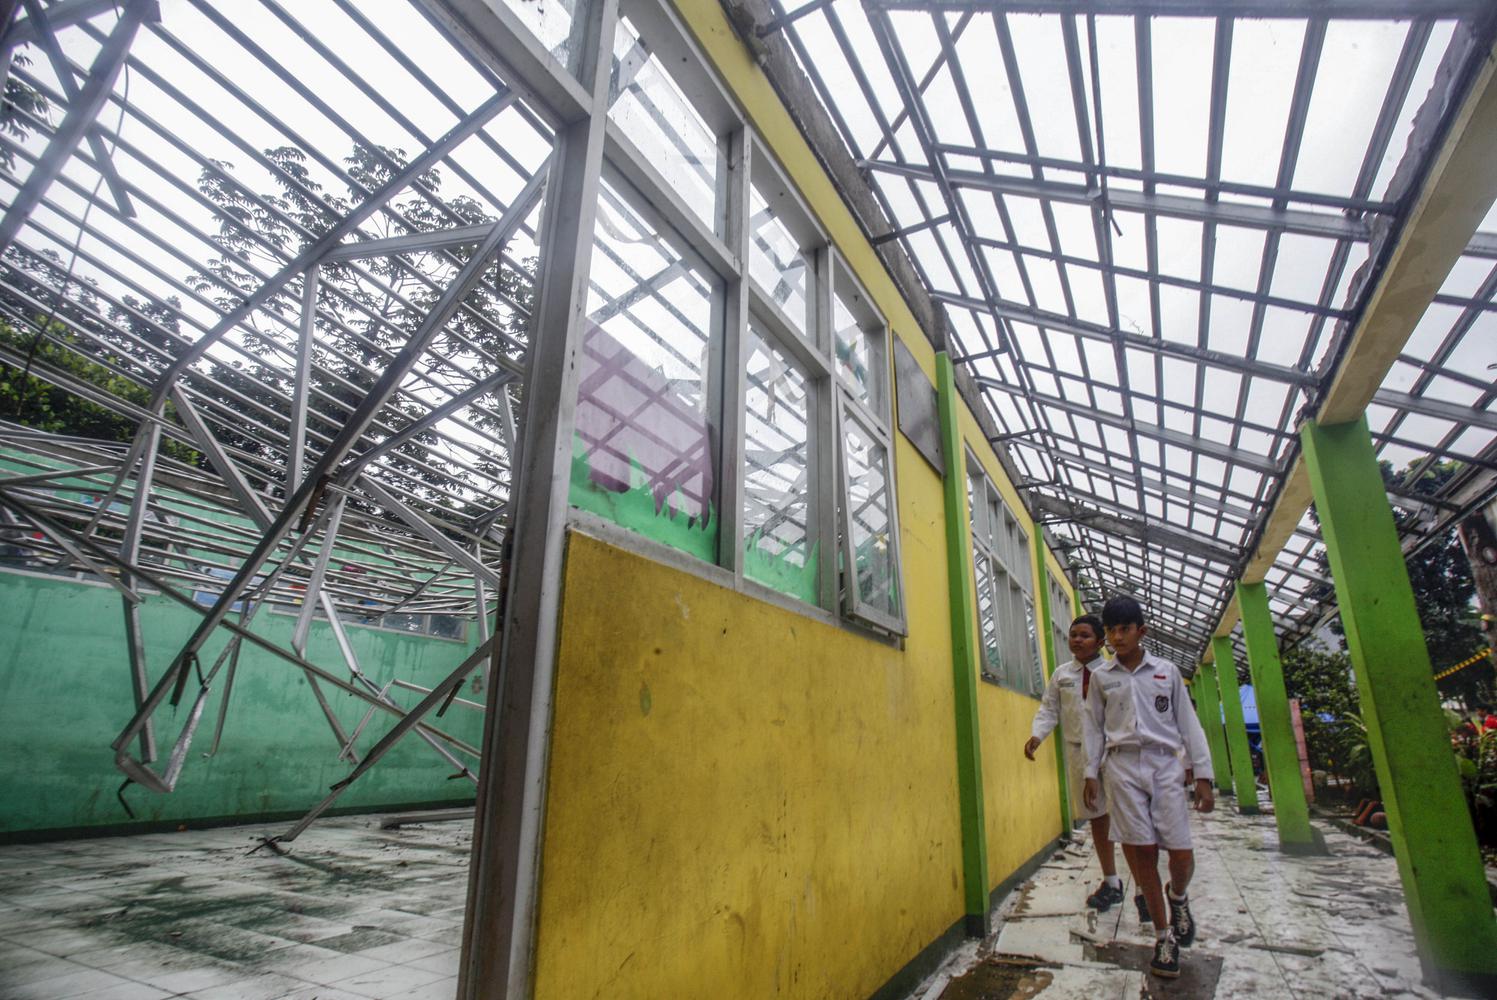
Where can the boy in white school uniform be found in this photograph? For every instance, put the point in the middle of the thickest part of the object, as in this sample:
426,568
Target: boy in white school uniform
1062,703
1137,718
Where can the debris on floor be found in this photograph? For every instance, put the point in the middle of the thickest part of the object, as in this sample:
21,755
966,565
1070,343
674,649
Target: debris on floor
1271,927
348,912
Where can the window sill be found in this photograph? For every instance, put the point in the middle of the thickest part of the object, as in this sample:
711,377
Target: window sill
603,530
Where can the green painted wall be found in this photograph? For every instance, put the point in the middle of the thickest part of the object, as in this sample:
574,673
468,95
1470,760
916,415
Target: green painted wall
65,695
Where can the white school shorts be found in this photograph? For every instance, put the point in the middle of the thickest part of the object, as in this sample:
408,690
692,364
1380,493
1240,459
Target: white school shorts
1076,782
1146,793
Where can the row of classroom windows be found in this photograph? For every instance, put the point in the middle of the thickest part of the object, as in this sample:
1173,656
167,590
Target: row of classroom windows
646,449
765,391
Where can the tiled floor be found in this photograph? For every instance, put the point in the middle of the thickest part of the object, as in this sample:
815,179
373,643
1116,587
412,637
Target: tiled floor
352,911
358,912
1283,927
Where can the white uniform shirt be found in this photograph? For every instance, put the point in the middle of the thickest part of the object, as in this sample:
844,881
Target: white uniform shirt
1147,707
1062,703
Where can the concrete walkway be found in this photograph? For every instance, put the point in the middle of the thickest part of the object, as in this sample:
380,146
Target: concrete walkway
1272,927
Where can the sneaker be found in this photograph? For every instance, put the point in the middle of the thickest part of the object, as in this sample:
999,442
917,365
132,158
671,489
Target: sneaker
1103,898
1182,924
1166,961
1143,909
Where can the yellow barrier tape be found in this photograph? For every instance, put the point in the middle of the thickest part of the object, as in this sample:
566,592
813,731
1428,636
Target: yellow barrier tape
1480,655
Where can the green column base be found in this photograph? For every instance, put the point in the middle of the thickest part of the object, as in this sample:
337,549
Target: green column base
1457,982
1299,849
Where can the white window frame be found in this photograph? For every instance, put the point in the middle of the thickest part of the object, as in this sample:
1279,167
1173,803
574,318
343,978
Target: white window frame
998,538
745,164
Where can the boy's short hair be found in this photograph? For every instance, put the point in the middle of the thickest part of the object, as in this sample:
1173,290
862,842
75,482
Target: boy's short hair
1122,610
1093,621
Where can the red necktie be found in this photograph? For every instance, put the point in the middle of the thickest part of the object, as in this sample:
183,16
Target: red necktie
1086,680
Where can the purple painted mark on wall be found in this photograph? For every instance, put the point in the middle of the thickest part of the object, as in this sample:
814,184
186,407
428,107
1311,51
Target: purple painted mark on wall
630,415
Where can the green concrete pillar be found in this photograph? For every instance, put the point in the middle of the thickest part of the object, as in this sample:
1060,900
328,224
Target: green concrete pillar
1280,753
1433,839
1243,785
1051,657
1209,708
963,654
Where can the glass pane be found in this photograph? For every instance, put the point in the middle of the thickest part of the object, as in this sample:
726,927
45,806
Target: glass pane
1035,680
991,664
777,264
643,452
552,24
974,490
652,110
857,363
778,550
867,466
997,538
449,627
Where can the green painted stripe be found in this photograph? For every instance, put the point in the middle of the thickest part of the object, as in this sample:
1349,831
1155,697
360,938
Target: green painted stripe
963,649
1243,784
1280,753
1209,708
1051,659
1433,839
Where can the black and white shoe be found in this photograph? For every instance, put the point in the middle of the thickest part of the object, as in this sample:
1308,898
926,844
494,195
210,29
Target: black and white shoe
1143,909
1182,924
1166,961
1103,899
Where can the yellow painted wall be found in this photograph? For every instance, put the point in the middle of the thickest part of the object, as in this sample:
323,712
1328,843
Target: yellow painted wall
1021,800
744,801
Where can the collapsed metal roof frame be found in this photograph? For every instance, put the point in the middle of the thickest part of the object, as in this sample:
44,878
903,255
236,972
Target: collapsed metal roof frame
1164,496
320,383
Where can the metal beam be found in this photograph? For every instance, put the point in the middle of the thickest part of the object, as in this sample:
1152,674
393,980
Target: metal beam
426,530
1426,406
103,161
78,120
1325,224
1093,331
1150,534
1180,439
335,235
484,387
435,698
301,387
441,239
64,14
353,428
1454,194
497,958
1370,10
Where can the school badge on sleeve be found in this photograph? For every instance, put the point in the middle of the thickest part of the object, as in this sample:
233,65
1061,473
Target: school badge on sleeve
1161,703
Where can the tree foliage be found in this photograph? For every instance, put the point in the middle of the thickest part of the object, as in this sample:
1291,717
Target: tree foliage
1440,575
1322,681
367,310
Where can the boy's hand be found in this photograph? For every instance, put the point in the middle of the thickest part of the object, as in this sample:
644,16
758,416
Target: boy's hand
1205,797
1030,746
1091,793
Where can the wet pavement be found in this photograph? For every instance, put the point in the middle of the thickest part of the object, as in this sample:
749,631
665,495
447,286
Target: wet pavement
1271,927
355,912
352,912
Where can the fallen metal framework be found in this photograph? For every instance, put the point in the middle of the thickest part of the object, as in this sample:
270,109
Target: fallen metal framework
310,392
